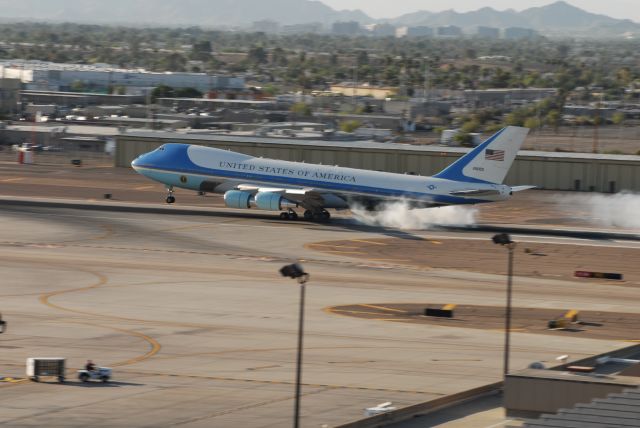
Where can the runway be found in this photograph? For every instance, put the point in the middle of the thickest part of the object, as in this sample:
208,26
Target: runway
200,328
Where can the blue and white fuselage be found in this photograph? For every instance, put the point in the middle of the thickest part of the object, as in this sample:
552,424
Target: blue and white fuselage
275,185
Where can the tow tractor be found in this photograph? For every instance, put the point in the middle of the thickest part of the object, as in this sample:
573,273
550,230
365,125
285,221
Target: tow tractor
100,373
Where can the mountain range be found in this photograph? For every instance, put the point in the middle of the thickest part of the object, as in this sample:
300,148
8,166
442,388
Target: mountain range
556,18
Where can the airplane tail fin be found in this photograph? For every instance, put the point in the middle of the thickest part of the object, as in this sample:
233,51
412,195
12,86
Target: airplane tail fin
490,161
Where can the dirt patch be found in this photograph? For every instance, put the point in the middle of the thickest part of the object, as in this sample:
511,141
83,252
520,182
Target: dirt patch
538,260
589,324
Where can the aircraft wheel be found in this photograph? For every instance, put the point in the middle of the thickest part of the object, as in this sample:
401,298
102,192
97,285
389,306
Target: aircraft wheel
284,216
171,199
308,215
293,215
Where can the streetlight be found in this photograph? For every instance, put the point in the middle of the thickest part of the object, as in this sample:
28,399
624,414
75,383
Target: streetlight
296,271
505,240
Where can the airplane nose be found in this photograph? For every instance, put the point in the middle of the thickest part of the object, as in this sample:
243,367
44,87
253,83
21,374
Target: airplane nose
137,162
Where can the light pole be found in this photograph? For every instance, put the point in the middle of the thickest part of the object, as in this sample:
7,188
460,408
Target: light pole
505,240
296,271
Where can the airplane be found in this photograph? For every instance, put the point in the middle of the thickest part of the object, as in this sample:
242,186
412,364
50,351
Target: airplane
277,185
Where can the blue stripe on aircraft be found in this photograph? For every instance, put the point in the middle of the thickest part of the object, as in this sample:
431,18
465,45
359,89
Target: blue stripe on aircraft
225,174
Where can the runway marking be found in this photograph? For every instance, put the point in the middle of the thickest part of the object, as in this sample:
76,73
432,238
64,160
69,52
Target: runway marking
390,260
12,180
436,242
368,242
384,308
144,187
344,252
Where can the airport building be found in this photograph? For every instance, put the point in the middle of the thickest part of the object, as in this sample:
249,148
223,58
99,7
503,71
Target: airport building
546,170
49,76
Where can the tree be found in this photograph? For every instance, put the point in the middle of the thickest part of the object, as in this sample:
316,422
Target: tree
464,139
553,120
188,93
532,123
470,126
349,125
617,118
78,86
301,109
257,55
162,91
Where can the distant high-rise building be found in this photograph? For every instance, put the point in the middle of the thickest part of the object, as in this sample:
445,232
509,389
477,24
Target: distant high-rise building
312,27
420,31
384,30
450,31
350,28
265,26
488,32
520,33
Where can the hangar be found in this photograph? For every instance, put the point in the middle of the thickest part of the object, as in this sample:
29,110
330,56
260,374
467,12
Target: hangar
546,170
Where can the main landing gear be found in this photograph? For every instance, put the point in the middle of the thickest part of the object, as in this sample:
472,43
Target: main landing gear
319,216
289,215
170,198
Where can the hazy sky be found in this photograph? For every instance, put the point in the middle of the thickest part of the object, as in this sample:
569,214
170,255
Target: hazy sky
626,9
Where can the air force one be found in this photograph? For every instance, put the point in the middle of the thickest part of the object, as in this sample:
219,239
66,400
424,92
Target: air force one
276,185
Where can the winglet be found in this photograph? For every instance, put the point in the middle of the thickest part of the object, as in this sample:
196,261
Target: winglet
490,161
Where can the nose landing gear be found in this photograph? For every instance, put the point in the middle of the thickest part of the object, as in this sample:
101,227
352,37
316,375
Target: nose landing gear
170,198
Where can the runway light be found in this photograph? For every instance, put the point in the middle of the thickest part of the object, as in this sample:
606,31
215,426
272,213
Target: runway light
505,240
293,271
502,239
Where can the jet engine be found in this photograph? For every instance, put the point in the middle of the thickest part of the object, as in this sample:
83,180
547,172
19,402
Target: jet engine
272,202
267,201
238,199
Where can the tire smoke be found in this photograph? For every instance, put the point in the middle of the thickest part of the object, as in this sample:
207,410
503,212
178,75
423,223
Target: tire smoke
619,210
398,215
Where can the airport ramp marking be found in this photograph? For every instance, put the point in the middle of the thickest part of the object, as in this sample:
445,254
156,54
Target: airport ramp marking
369,242
355,312
384,308
45,298
12,380
102,280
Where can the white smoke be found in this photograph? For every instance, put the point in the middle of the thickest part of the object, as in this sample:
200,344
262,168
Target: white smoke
619,210
398,215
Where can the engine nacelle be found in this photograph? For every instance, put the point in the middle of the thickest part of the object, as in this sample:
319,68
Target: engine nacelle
269,201
238,199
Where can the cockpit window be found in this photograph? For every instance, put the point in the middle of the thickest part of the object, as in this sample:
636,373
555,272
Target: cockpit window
161,148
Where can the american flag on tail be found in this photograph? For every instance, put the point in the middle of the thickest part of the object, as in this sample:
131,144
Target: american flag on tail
496,155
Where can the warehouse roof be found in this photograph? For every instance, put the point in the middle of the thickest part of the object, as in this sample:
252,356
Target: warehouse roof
182,137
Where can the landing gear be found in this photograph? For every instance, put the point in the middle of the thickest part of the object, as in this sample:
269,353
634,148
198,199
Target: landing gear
289,215
170,198
319,216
